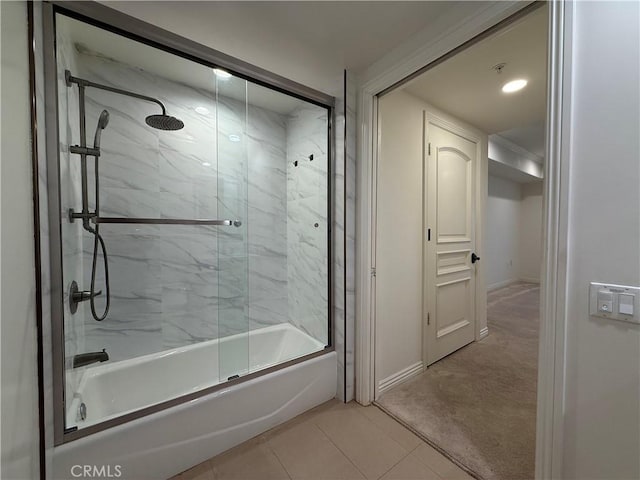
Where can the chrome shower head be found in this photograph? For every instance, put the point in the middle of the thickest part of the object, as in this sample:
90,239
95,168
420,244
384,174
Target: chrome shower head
103,121
164,122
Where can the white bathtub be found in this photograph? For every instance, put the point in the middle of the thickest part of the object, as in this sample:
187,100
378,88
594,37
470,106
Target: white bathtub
169,441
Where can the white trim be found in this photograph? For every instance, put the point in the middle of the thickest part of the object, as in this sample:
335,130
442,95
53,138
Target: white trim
553,309
396,69
552,338
399,377
515,148
529,279
504,283
484,332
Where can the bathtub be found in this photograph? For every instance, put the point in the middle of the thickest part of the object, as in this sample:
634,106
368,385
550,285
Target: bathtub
169,441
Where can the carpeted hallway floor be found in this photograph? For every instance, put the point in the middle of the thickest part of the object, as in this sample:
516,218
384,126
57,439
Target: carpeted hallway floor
478,405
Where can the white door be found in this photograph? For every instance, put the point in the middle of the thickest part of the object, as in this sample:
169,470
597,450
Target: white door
452,157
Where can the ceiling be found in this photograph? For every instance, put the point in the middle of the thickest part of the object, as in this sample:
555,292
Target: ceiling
467,86
352,34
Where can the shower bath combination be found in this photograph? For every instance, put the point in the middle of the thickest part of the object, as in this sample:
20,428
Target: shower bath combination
158,121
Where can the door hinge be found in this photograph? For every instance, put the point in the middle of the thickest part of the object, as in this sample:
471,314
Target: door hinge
429,149
428,318
373,272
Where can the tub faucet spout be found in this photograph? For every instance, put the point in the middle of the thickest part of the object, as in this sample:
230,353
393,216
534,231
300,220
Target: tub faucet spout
83,359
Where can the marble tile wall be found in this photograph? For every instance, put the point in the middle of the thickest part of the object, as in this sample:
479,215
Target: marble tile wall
339,244
172,287
70,197
307,226
344,237
350,233
176,285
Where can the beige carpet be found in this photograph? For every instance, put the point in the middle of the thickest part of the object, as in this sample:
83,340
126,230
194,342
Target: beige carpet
478,405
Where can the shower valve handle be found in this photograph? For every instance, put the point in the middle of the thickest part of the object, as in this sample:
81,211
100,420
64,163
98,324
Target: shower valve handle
76,296
83,295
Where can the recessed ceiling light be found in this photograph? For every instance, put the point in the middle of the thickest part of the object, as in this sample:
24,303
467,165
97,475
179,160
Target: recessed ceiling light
206,164
234,138
202,110
221,74
514,86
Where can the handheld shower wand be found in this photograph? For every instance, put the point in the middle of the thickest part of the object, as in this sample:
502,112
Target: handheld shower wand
77,295
103,121
161,121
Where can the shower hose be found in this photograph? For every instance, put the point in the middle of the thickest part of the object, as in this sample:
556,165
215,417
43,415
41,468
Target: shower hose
98,238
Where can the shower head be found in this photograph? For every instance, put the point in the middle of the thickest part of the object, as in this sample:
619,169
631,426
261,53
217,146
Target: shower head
103,121
161,122
164,122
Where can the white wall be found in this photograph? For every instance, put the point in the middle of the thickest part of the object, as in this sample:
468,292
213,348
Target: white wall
18,398
514,232
503,224
399,235
530,232
602,399
399,227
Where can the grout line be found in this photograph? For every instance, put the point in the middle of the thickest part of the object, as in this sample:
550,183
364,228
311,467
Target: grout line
392,466
339,449
373,424
275,454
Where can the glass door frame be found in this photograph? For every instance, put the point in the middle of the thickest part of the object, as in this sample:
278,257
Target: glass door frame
106,18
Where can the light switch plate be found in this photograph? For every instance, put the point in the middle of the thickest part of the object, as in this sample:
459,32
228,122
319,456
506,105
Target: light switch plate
601,294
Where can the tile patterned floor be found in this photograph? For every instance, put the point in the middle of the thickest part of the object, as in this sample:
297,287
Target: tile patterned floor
335,441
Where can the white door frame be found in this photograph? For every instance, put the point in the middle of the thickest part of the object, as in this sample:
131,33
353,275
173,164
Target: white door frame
551,377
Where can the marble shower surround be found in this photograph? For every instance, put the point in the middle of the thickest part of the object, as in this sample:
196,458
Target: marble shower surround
173,286
342,225
307,233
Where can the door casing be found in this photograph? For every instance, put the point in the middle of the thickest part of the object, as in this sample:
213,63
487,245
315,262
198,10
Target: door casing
397,68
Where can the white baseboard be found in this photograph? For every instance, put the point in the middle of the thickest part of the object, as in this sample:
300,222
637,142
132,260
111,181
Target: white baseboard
529,279
497,285
399,377
484,332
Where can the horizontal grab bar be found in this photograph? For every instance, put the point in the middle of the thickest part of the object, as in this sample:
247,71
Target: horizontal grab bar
168,221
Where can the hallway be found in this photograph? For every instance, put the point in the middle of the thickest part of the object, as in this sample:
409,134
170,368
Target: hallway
479,404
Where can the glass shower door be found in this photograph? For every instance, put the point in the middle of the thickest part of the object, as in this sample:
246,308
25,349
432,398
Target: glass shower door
232,163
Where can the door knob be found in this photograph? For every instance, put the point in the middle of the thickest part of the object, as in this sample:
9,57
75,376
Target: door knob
474,258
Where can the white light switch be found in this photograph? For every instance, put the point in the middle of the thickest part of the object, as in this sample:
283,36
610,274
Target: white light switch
625,303
615,302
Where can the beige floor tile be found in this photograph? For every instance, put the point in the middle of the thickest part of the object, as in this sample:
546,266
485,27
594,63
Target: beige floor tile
199,472
257,462
307,453
371,449
440,464
331,405
395,430
410,468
